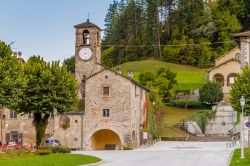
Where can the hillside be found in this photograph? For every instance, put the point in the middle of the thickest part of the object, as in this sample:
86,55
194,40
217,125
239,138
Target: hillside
188,77
171,116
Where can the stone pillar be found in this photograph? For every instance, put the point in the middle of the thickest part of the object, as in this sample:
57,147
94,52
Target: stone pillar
245,50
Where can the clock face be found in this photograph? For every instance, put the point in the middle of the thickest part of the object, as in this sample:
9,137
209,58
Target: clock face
85,53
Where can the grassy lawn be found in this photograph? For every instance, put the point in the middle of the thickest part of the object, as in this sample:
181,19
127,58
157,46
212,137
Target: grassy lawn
188,77
171,116
49,160
236,161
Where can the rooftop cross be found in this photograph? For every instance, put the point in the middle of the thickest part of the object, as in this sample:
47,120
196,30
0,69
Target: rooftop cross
88,18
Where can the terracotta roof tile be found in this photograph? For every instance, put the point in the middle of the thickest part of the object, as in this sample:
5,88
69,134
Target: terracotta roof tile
87,25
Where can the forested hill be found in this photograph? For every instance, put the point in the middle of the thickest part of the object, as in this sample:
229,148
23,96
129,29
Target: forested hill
193,32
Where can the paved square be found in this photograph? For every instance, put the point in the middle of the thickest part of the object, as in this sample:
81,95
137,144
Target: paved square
168,154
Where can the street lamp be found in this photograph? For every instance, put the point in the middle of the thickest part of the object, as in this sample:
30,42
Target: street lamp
242,104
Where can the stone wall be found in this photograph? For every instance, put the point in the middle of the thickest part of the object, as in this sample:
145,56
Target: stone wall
138,113
87,68
191,127
225,70
24,126
71,136
245,50
189,95
125,103
223,121
229,55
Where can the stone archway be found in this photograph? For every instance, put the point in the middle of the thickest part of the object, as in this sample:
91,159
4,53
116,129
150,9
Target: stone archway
219,78
105,139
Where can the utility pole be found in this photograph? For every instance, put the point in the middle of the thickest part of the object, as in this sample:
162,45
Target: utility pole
158,31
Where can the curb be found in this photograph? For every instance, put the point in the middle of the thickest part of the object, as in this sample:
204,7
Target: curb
93,164
231,156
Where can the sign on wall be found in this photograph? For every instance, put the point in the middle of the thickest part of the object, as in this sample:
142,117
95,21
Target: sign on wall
145,135
231,80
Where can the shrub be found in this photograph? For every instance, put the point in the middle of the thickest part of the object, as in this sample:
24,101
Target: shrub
60,149
127,148
186,104
241,88
43,151
65,126
211,93
12,153
200,117
247,153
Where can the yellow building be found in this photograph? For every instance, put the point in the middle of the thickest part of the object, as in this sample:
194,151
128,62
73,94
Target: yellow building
229,65
225,70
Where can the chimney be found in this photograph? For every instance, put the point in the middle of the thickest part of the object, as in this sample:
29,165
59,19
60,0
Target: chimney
19,54
15,54
130,74
118,70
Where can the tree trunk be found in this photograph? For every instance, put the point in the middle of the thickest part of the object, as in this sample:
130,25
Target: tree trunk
40,123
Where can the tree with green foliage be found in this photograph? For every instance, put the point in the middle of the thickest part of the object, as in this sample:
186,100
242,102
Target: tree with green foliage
211,93
192,32
241,87
50,87
107,57
245,16
12,80
161,82
227,23
70,63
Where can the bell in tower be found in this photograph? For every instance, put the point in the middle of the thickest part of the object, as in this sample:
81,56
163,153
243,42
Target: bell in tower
87,52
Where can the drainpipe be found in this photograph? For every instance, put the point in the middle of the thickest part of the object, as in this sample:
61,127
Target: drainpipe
81,132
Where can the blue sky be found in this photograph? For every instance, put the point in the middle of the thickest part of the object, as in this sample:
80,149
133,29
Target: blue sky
45,27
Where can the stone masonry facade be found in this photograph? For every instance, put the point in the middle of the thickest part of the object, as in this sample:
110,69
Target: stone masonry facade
114,104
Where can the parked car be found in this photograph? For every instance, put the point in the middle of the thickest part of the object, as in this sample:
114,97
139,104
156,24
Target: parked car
52,142
12,145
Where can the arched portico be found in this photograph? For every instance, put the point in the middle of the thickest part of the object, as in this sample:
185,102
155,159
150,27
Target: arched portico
219,78
105,139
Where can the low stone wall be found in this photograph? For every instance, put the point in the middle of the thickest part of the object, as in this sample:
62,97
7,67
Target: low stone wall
191,127
187,95
222,123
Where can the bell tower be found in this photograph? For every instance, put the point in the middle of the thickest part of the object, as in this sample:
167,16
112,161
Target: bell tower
87,52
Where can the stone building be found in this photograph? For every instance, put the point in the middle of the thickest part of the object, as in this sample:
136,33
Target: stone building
225,70
115,106
115,111
229,65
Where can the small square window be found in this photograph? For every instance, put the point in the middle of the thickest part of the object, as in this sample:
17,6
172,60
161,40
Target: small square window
106,76
105,112
76,121
13,114
106,91
75,139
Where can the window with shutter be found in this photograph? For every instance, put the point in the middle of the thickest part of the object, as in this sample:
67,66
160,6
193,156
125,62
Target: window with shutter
106,91
105,112
13,114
